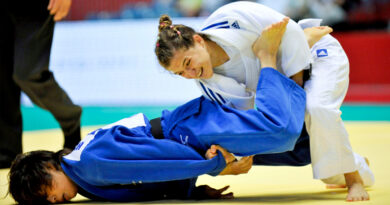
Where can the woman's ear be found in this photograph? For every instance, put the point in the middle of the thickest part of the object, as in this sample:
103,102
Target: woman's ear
198,39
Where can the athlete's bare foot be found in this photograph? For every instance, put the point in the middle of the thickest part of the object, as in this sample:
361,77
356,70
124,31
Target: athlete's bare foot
267,45
356,191
314,34
341,186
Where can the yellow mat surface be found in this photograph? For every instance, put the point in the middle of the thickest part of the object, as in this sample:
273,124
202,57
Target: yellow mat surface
265,185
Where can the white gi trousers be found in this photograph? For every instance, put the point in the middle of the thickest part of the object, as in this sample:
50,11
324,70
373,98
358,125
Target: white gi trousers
331,152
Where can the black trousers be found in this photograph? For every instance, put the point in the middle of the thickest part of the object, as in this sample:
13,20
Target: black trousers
25,43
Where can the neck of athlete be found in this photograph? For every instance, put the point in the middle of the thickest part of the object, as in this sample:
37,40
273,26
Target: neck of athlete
218,56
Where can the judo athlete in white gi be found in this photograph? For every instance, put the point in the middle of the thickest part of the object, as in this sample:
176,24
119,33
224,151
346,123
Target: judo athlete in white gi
123,161
221,59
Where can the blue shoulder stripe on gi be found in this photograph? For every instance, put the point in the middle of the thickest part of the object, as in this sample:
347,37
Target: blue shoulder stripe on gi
216,99
205,91
224,27
220,97
215,24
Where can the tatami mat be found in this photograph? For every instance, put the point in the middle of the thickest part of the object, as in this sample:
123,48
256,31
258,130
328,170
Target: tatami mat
266,185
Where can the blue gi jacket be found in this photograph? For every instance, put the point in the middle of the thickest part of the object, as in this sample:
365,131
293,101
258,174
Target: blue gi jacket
124,162
273,128
118,163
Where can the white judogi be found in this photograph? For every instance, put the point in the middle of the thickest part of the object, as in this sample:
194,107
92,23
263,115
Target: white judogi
235,27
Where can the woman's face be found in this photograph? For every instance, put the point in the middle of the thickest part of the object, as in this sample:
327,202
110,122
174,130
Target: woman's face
62,189
192,63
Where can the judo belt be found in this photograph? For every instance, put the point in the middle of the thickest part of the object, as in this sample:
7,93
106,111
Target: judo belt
156,128
306,74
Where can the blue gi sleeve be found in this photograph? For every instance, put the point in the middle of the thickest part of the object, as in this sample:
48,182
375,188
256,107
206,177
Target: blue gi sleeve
120,155
272,128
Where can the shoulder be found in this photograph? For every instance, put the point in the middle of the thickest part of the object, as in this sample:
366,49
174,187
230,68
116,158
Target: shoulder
246,13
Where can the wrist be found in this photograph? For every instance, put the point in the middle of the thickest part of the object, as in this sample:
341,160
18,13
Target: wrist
226,171
267,61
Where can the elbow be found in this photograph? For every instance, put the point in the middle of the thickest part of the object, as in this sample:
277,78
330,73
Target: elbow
288,145
290,137
283,145
295,132
292,131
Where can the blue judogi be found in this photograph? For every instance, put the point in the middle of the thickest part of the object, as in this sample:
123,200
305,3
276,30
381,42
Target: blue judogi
124,162
272,128
111,158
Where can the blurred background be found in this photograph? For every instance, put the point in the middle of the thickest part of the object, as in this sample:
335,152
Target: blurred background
103,56
341,14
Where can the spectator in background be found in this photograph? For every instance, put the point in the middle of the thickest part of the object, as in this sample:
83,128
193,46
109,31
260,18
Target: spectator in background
25,44
340,14
190,8
295,9
330,11
209,7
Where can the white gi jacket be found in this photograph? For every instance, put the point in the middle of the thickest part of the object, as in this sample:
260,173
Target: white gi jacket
238,25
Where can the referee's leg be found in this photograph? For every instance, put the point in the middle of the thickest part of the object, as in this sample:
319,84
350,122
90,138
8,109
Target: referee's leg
33,45
10,114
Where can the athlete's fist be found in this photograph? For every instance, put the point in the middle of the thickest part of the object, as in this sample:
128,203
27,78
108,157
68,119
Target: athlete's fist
212,152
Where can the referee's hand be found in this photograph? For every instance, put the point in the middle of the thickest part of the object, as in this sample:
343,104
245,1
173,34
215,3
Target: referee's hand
59,8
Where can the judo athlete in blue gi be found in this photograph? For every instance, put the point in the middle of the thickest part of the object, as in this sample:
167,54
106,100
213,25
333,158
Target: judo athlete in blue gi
130,161
125,162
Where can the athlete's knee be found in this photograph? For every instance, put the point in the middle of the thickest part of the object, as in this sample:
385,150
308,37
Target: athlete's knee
316,108
77,111
23,78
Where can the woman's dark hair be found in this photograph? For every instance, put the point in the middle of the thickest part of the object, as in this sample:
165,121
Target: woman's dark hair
172,38
29,175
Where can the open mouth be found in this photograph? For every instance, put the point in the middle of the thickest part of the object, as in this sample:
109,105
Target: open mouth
200,72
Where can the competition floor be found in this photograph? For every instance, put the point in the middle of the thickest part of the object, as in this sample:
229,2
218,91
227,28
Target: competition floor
265,185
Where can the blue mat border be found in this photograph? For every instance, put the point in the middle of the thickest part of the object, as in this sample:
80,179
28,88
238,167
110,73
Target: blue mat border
35,118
